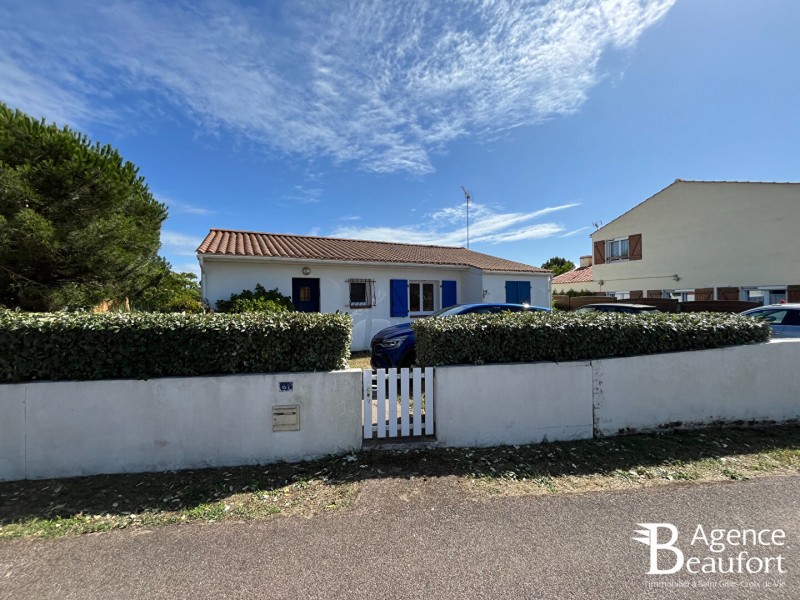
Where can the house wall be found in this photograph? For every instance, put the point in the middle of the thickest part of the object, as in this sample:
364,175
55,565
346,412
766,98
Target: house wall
495,286
223,277
65,429
592,286
712,235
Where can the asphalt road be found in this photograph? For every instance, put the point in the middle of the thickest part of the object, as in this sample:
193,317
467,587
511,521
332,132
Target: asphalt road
427,539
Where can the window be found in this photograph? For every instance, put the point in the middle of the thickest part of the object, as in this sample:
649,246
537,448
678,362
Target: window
617,249
421,296
622,295
682,295
361,293
305,294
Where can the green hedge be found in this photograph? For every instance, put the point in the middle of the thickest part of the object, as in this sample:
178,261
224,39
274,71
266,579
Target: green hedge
526,337
80,346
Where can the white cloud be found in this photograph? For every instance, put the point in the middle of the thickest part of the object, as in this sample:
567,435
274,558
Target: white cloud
444,227
304,195
384,84
188,267
179,244
574,232
184,207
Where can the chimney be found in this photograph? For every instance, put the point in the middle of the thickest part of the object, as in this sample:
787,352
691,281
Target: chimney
586,261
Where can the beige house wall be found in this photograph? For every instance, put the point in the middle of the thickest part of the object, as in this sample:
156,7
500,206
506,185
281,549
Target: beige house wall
592,286
708,234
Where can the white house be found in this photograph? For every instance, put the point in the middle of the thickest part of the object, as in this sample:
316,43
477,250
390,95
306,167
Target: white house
378,283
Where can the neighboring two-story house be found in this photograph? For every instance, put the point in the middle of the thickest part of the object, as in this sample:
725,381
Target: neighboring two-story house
378,283
704,240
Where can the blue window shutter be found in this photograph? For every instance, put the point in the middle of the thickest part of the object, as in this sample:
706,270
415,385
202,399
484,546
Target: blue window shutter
398,297
518,292
511,292
524,292
448,293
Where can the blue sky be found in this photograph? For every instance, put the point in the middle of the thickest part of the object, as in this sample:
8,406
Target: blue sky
364,119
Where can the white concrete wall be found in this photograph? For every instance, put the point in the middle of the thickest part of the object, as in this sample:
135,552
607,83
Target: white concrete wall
711,234
12,432
224,276
692,389
63,429
512,403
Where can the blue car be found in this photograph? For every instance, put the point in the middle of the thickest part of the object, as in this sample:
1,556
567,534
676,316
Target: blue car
395,346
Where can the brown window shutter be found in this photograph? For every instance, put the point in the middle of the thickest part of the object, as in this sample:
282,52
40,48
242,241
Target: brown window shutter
637,294
600,252
728,293
635,246
654,293
704,294
793,293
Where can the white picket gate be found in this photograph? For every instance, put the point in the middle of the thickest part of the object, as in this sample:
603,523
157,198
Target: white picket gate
398,402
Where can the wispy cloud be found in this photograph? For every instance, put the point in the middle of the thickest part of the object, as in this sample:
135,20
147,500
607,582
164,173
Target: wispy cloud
573,232
443,227
383,84
304,195
176,206
179,244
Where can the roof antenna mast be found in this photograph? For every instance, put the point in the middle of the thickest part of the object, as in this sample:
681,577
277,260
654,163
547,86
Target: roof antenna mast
468,197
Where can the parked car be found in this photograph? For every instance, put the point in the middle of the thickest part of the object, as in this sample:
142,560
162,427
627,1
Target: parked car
618,307
784,319
396,346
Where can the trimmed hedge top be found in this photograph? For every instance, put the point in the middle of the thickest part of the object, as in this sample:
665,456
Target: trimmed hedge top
81,346
541,336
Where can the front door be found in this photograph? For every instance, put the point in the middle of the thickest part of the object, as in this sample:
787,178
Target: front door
305,294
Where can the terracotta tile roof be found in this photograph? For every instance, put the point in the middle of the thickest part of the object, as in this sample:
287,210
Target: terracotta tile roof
225,242
579,275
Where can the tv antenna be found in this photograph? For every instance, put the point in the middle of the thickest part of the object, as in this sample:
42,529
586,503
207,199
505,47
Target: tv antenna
468,197
597,225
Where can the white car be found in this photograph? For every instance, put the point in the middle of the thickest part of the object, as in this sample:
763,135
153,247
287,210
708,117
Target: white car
783,318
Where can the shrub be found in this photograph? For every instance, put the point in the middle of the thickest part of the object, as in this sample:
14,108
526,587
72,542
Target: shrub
525,337
574,293
260,300
82,346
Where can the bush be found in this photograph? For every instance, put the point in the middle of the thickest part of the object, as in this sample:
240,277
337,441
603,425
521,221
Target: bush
80,346
574,293
260,300
525,337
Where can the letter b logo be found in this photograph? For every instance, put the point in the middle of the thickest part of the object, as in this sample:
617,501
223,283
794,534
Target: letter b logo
650,537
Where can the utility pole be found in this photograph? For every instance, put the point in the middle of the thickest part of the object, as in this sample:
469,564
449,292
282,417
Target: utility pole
468,197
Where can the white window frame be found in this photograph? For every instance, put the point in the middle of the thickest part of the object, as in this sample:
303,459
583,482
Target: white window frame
436,296
682,295
618,242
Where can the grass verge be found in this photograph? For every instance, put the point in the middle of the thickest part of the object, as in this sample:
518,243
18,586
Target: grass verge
51,508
